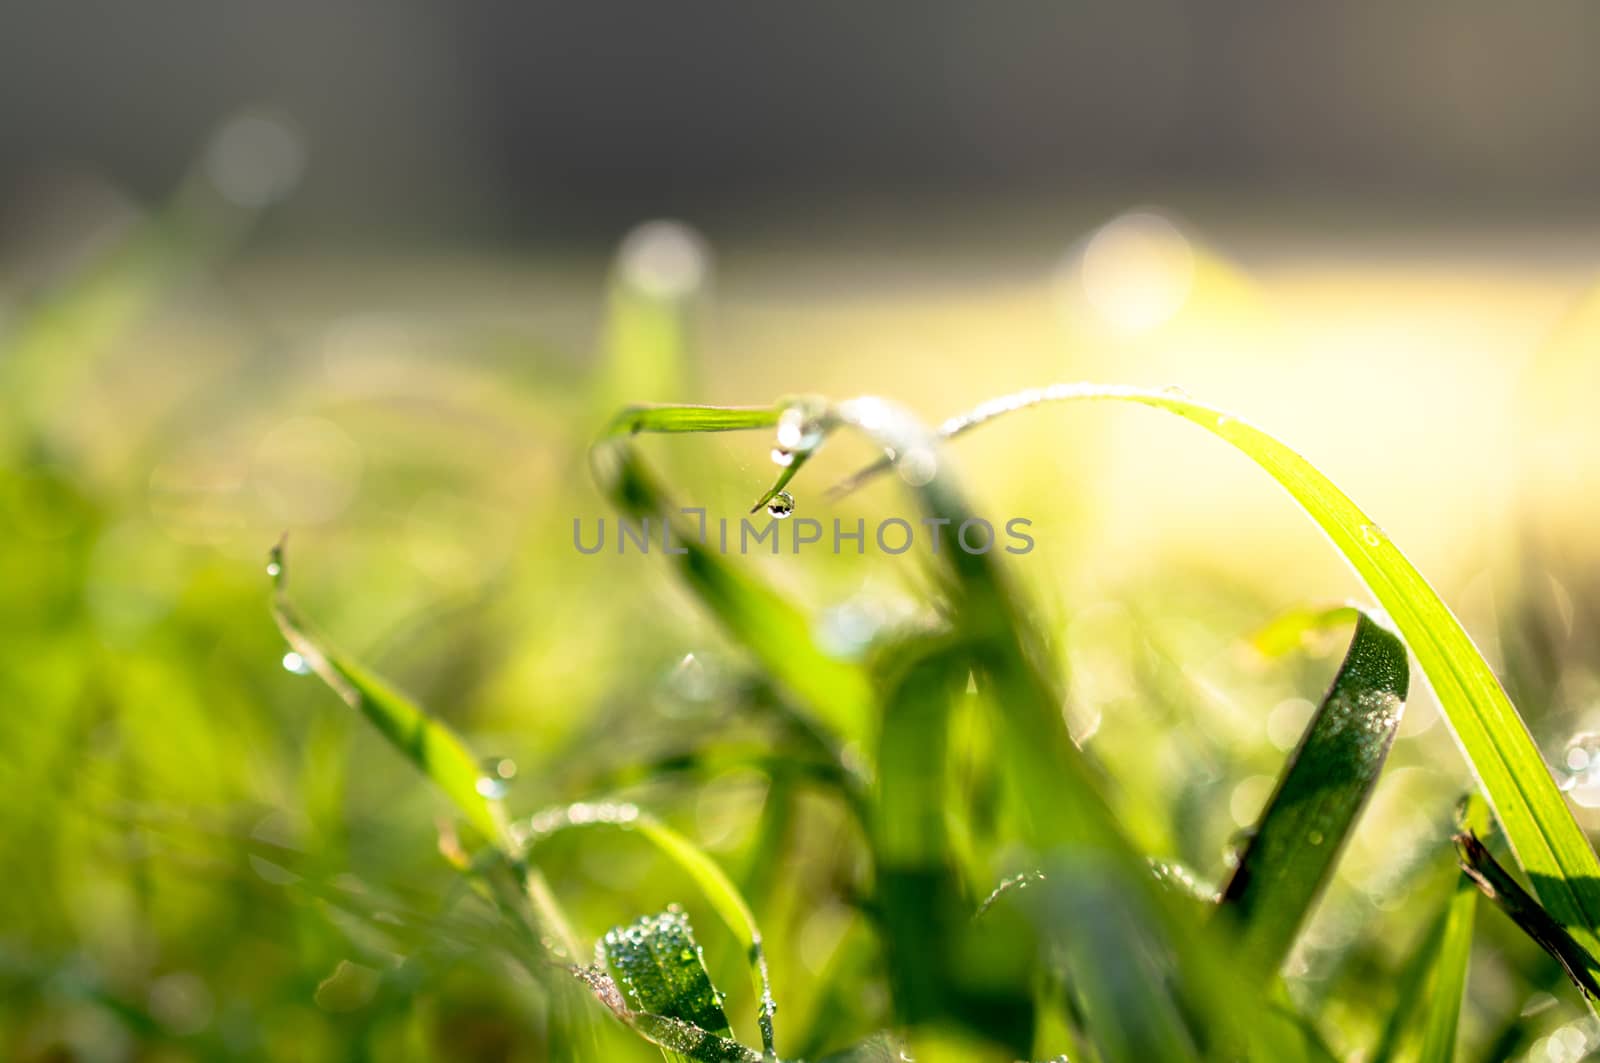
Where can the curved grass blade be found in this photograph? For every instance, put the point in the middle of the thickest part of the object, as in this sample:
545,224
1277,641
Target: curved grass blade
766,622
719,890
436,750
1302,830
1142,970
1538,824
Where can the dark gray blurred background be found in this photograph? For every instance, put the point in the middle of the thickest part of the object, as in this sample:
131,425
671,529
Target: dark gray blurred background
514,120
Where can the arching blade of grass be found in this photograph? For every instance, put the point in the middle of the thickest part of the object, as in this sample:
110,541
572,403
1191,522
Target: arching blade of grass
764,620
719,890
1148,981
1302,830
436,750
1537,822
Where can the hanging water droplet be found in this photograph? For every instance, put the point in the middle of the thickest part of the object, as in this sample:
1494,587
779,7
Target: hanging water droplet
293,662
1371,534
274,569
782,457
781,505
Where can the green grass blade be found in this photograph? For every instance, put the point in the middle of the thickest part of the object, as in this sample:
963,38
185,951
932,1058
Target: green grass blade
1413,979
1142,972
1450,976
776,632
718,888
943,967
436,750
1538,824
631,420
1302,830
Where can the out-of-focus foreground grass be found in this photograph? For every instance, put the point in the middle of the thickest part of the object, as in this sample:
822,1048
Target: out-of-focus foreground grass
206,857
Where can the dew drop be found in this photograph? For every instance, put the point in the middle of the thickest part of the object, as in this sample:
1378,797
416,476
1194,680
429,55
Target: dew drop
1371,534
274,569
781,457
1176,391
781,505
293,662
1314,837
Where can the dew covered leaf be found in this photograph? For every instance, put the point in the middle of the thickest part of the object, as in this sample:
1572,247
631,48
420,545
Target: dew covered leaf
656,963
1297,840
658,984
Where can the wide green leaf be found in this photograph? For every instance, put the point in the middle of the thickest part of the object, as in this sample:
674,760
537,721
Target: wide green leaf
1301,832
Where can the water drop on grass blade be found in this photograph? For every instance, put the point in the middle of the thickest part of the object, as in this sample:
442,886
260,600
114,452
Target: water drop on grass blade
781,505
293,662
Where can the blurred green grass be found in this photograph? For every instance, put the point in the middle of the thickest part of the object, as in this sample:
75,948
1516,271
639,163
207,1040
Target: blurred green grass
205,861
